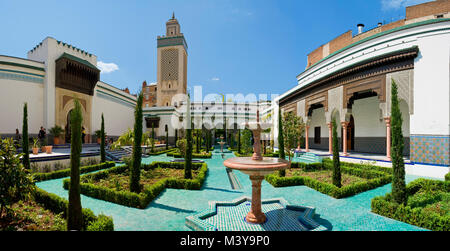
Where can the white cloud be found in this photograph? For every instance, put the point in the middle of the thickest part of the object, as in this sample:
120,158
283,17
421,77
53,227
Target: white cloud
107,67
398,4
215,79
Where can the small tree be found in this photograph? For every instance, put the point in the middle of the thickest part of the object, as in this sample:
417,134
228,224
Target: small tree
282,173
167,139
336,161
25,139
398,181
239,140
135,168
102,141
182,144
153,138
246,141
15,181
188,157
74,211
293,128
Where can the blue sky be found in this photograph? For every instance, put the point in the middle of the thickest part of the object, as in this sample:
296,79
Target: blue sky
235,46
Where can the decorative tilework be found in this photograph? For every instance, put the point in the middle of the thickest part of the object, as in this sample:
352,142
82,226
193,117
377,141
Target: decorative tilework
430,149
230,216
12,76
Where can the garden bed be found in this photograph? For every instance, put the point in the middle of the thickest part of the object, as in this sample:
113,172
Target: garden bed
30,216
149,153
112,184
176,154
37,177
428,205
357,178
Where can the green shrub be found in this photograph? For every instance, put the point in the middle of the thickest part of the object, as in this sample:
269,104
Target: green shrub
59,205
149,193
447,177
376,179
421,194
37,177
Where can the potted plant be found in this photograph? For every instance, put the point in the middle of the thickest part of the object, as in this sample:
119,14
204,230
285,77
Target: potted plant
98,135
35,146
46,147
56,131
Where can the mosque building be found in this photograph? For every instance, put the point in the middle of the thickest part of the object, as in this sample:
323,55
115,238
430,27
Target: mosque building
349,79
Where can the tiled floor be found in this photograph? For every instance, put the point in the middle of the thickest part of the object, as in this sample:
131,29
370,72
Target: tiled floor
169,210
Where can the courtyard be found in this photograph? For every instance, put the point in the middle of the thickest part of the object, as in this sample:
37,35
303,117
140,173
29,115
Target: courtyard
169,210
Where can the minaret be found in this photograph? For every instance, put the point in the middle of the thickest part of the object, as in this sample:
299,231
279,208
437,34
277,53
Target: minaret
172,64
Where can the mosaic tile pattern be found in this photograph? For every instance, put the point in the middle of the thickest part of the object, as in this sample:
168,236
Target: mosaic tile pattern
230,216
430,149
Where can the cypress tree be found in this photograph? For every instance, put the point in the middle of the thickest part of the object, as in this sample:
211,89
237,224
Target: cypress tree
336,161
74,211
153,138
135,168
176,136
398,181
239,141
167,139
25,140
102,141
282,173
188,157
197,133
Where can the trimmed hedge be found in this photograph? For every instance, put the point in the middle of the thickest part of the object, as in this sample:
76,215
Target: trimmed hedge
148,194
37,177
376,179
160,152
270,155
447,177
413,212
176,154
59,205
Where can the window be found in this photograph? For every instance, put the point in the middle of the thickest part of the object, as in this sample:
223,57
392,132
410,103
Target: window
317,135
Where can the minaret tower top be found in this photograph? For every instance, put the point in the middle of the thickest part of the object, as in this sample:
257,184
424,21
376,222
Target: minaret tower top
172,27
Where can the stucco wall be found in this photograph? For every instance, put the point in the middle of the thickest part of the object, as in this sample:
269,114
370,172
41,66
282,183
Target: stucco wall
118,114
431,86
13,95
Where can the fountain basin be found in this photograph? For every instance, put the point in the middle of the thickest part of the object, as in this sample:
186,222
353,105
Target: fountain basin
256,167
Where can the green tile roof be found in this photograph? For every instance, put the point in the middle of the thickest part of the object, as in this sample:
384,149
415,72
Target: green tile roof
77,59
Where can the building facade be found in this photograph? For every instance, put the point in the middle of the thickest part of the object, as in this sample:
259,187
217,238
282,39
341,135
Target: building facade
52,75
349,79
171,64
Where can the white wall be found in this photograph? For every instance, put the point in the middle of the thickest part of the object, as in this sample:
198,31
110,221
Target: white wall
118,116
13,95
368,119
318,119
431,86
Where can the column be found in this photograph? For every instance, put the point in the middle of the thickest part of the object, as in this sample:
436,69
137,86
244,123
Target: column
307,139
344,137
388,138
330,138
256,215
